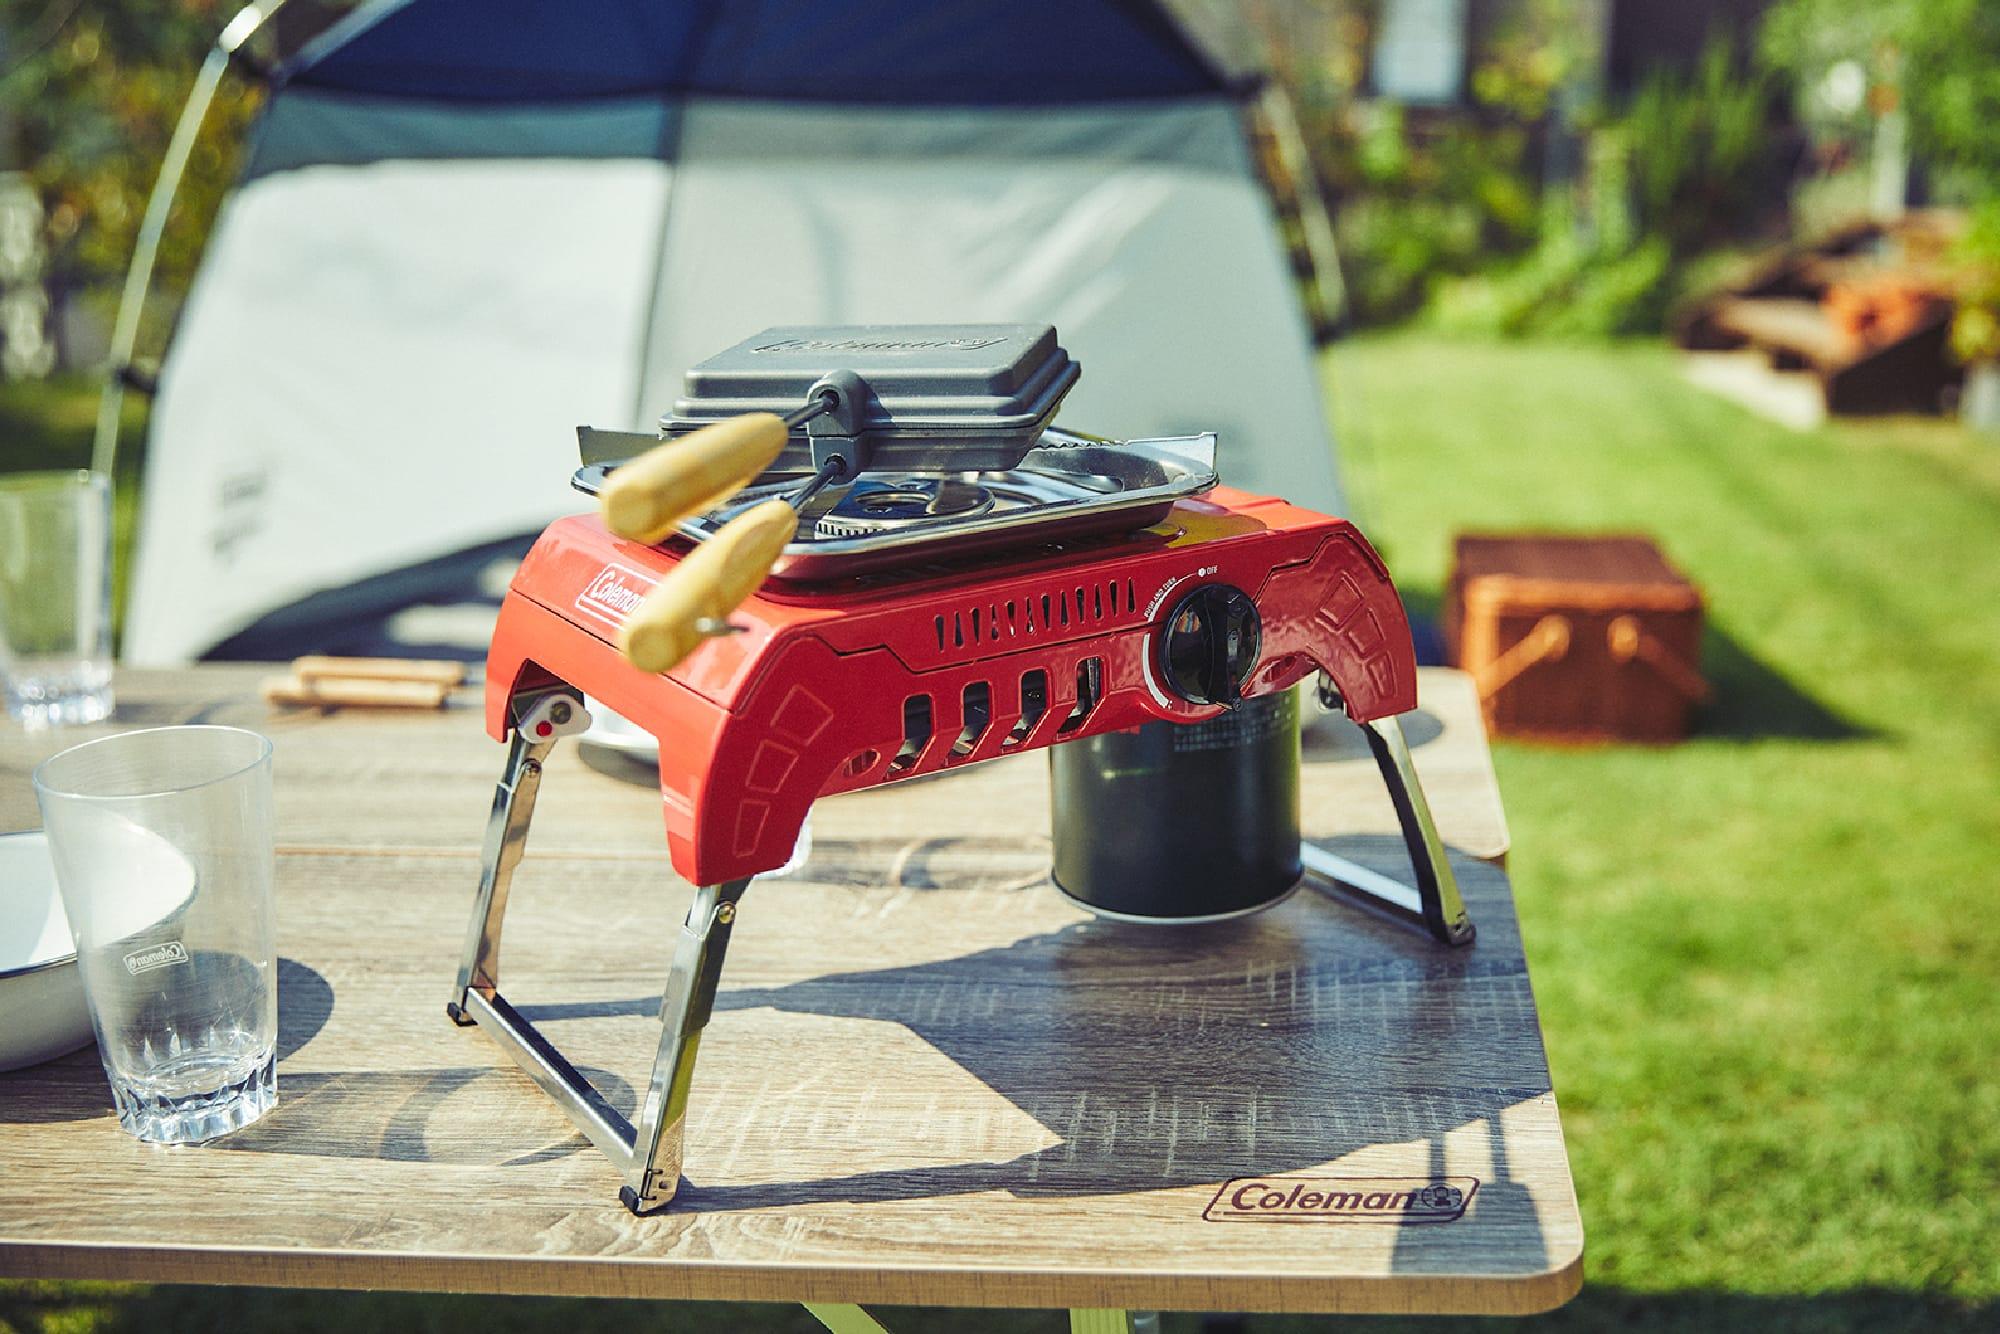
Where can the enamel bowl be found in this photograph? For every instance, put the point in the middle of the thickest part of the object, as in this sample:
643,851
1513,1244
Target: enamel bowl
42,1012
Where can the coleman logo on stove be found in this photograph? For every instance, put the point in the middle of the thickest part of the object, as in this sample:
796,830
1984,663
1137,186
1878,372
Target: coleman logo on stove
1290,1199
877,344
613,594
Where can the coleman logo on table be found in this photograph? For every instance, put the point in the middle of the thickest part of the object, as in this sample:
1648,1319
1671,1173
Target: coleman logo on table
1290,1199
613,593
159,956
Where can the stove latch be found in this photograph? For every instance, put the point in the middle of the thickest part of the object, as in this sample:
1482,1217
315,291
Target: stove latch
550,714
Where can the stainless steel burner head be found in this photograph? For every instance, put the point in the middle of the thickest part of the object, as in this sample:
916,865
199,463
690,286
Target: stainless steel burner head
887,505
1070,486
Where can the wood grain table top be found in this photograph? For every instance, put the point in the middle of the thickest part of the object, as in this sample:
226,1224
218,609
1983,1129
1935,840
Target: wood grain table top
930,1080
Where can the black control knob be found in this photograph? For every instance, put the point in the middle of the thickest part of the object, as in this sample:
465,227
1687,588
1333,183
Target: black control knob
1210,643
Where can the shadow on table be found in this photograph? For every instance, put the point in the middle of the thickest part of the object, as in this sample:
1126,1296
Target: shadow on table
1331,736
73,1088
466,1116
1154,1057
1188,1056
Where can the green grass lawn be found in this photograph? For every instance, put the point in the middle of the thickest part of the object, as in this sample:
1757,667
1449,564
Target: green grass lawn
1769,995
1769,998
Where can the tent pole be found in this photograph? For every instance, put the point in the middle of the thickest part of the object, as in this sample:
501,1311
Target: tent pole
1314,224
139,277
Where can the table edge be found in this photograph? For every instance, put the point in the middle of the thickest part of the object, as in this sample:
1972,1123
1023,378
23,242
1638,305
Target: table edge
947,1286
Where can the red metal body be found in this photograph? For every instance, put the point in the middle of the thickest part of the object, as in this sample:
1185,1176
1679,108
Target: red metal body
811,699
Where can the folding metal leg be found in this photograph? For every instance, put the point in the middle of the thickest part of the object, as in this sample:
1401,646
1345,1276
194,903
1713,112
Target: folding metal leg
506,839
655,1168
649,1155
1436,902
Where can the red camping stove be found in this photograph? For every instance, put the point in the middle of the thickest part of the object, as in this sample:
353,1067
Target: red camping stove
925,621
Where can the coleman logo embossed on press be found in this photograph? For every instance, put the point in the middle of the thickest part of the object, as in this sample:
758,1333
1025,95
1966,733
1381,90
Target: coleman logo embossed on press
1290,1199
882,344
613,593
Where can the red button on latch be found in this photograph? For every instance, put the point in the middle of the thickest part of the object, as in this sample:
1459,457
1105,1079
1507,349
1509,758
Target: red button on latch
544,729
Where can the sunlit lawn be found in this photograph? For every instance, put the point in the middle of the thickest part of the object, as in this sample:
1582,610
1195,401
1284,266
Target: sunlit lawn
1770,989
1768,981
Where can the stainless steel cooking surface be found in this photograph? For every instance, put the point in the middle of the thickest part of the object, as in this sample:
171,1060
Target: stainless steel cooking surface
1069,486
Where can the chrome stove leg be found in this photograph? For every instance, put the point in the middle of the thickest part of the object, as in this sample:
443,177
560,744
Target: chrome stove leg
1437,888
648,1154
658,1143
506,839
1436,903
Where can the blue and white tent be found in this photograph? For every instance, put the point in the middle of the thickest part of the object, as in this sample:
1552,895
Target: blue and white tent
466,226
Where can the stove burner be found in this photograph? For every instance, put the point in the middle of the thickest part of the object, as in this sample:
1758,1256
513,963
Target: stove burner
880,506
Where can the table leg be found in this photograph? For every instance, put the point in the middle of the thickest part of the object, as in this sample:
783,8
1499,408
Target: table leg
843,1319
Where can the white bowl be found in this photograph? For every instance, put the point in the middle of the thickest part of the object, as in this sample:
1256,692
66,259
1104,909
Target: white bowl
42,1011
616,733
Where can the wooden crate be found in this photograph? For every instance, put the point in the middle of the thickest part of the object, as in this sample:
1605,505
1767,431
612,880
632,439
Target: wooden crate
1576,638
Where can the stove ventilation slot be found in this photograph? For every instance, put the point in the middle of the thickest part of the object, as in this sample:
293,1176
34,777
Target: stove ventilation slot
1089,689
1025,617
1034,703
916,733
977,703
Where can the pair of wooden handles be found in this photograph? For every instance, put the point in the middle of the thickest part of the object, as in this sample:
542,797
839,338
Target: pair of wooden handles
644,499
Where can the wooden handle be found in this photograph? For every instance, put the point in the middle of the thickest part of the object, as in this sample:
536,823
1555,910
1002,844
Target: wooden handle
708,585
354,693
1548,640
317,667
643,499
1628,640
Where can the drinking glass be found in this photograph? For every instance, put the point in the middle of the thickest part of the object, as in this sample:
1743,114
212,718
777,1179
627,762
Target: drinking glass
55,597
162,847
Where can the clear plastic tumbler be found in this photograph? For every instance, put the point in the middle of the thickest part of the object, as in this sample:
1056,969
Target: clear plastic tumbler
162,848
55,597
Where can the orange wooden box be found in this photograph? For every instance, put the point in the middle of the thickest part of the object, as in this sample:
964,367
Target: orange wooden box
1575,638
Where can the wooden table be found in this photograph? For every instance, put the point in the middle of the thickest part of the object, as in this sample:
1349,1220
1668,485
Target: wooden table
930,1080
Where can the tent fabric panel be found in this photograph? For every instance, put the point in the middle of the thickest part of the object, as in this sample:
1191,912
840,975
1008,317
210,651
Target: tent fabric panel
304,128
1023,52
379,364
1165,282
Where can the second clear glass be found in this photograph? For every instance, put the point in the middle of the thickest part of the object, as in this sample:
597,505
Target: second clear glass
55,597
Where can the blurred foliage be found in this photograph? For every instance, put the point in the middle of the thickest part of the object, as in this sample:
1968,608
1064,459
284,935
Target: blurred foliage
1419,193
1703,152
89,96
1691,162
1464,212
1939,60
1975,328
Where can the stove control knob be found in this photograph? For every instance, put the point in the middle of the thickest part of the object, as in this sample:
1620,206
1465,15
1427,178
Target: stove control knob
1210,643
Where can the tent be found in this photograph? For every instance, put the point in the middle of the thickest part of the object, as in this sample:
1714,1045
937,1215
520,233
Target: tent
466,226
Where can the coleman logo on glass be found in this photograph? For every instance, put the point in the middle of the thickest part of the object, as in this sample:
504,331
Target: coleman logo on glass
1290,1199
159,956
613,594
